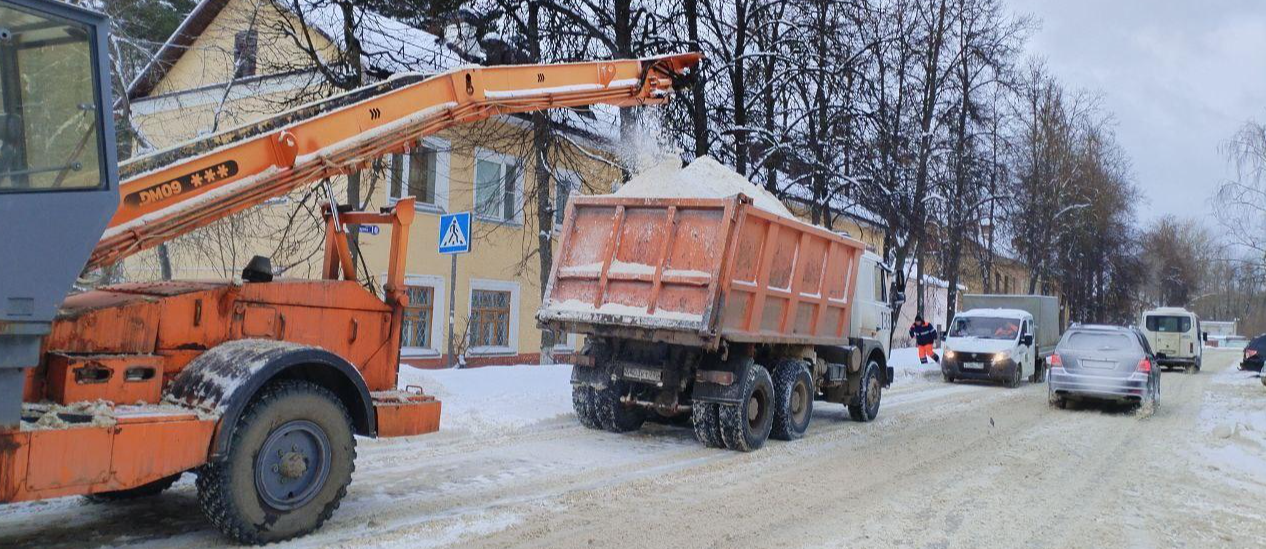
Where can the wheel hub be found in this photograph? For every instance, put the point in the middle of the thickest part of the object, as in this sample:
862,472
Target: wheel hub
292,465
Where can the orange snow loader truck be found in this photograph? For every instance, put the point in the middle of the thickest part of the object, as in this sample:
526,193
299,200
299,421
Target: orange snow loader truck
258,386
715,309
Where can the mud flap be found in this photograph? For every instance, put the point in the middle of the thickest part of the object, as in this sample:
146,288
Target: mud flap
888,377
722,382
592,367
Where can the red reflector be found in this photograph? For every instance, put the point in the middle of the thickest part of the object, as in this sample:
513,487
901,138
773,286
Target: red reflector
1145,365
1249,352
1055,360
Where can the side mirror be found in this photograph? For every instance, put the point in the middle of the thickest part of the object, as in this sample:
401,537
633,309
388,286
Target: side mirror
1204,336
898,298
1026,340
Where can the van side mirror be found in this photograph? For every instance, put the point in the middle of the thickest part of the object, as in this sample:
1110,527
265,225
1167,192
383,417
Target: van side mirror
1026,340
898,299
1204,336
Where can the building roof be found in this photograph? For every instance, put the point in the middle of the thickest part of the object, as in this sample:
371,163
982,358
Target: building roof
388,45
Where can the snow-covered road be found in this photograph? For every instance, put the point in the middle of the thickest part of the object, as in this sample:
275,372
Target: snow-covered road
943,466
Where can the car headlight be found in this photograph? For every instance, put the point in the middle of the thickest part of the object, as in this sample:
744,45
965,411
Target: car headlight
999,357
950,354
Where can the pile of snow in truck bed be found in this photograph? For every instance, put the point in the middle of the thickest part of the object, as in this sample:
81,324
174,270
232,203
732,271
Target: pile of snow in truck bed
703,178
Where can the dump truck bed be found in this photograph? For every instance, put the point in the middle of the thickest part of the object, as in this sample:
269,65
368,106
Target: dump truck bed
699,271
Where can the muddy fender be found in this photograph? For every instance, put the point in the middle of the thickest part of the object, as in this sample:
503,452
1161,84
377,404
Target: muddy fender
722,382
223,380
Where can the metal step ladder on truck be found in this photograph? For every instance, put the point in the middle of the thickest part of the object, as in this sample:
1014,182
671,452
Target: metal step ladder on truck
258,386
1001,338
716,310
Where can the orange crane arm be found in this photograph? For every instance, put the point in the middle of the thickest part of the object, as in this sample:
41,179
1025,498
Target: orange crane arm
172,192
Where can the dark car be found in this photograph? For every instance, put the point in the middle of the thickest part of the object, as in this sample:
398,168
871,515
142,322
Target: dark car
1110,363
1254,354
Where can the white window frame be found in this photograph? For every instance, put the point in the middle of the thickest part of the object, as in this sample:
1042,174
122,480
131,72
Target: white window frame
439,314
442,148
513,335
576,184
568,345
504,160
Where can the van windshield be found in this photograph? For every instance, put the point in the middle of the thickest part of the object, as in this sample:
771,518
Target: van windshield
1168,324
985,327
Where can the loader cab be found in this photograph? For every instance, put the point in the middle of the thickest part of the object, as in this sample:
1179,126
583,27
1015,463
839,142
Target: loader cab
58,175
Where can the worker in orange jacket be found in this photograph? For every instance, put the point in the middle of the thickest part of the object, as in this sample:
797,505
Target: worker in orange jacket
924,335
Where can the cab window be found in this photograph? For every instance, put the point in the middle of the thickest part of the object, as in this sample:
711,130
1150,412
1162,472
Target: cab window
1168,324
48,104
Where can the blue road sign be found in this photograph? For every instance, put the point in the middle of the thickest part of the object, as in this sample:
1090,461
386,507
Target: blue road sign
455,233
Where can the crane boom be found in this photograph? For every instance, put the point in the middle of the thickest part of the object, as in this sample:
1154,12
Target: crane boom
172,192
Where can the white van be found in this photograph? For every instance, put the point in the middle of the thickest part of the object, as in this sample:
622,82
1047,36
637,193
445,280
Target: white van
1174,335
989,344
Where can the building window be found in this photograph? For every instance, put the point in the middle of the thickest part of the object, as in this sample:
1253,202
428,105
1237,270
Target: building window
997,283
419,317
565,183
245,53
496,187
422,174
489,318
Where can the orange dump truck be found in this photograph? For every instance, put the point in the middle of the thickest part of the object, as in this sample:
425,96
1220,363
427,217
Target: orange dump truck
718,309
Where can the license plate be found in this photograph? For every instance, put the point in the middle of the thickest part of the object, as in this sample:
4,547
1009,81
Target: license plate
1099,364
642,374
974,365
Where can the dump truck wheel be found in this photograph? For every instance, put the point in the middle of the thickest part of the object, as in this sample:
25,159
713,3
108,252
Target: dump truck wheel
142,491
870,395
705,418
582,401
793,400
613,415
289,463
746,426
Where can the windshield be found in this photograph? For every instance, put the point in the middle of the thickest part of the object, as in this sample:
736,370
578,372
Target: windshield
48,112
1168,324
985,327
1091,341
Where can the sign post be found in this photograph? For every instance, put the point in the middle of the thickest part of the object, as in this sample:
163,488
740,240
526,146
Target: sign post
454,239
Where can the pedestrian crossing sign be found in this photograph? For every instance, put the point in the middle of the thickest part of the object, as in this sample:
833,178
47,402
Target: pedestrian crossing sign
455,233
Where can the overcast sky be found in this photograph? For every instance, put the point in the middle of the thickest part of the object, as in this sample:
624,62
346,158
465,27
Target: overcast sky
1180,76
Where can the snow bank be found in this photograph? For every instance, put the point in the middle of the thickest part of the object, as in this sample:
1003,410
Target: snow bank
496,399
703,178
907,369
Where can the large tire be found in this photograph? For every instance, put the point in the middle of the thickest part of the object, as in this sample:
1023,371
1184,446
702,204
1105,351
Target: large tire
248,495
613,415
706,421
869,395
142,491
746,426
582,401
793,400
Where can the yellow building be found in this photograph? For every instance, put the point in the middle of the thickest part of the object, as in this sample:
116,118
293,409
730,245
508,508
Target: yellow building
237,61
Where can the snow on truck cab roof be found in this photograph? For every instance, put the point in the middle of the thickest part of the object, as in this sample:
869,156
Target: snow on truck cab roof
995,313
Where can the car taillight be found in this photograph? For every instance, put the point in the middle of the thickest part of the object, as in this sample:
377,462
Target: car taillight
1055,360
1250,352
1145,365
